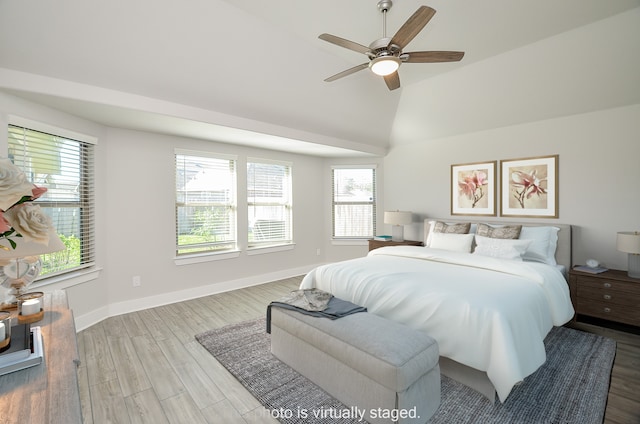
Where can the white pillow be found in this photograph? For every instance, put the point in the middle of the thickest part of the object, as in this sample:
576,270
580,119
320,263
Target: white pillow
501,248
427,239
544,241
453,242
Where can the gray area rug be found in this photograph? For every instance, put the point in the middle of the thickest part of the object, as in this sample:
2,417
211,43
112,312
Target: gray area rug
571,387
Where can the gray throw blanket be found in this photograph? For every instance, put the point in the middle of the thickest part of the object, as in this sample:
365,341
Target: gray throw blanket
308,299
316,303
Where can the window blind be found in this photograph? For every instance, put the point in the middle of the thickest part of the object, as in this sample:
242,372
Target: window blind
269,202
205,203
354,202
66,168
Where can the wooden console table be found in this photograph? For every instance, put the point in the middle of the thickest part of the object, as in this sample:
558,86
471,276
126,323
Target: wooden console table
48,392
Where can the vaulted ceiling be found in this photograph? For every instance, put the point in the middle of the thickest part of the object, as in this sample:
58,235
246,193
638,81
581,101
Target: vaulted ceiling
251,72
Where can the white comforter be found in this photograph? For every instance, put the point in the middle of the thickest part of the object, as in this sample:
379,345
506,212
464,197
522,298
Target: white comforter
487,313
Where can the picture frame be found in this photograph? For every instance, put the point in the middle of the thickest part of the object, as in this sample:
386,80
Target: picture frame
473,189
529,187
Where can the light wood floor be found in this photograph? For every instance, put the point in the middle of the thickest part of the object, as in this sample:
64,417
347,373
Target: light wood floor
146,366
623,403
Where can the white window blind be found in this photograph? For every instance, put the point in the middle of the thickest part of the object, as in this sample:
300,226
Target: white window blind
354,202
66,168
269,202
205,203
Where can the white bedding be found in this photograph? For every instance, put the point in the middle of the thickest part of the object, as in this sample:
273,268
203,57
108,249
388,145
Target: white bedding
487,313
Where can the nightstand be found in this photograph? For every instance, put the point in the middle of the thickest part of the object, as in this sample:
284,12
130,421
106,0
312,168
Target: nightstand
374,244
611,295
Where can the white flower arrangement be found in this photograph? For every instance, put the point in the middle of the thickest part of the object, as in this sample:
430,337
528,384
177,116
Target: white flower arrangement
19,218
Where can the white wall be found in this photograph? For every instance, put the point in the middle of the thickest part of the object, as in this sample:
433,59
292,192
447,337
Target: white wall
136,220
598,174
140,225
141,216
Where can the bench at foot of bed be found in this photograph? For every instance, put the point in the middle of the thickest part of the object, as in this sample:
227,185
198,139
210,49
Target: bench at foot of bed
363,360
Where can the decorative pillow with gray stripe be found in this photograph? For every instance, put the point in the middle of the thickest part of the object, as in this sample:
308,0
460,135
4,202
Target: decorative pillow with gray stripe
504,232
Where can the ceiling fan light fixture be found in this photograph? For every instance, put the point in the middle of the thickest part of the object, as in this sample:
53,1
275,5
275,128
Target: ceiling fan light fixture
384,65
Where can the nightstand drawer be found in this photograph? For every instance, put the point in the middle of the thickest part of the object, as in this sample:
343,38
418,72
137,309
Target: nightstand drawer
608,295
632,289
608,310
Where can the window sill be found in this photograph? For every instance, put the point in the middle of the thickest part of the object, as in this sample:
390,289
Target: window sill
269,249
205,257
65,281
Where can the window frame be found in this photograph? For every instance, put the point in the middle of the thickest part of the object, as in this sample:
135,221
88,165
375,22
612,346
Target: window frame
286,203
86,270
373,202
206,251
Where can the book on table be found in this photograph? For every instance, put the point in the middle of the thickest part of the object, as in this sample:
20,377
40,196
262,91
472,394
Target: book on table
21,357
20,346
591,270
382,238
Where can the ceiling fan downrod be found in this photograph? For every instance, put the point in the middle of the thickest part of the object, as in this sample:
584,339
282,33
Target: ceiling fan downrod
384,6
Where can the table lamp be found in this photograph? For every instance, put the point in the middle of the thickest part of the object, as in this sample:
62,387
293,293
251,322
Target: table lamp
398,219
629,241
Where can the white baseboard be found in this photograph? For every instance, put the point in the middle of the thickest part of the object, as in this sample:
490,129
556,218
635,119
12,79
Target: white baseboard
119,308
93,317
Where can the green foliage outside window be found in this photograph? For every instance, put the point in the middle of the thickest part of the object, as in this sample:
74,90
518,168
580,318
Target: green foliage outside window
65,259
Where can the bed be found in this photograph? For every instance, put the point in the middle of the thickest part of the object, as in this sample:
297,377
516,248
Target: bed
489,314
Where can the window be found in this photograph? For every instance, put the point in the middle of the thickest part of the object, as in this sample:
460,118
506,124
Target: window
354,202
269,202
65,167
205,202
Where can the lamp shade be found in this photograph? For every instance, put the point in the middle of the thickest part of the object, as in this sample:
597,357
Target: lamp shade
629,241
26,248
397,217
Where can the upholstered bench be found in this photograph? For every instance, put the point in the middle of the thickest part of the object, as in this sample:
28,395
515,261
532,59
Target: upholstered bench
379,366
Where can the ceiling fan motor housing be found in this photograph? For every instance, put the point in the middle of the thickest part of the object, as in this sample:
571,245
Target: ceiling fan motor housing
381,47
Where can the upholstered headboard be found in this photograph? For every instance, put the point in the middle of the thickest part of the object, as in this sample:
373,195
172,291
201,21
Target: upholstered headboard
563,250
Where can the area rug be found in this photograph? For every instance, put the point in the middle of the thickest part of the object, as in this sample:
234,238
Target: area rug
571,387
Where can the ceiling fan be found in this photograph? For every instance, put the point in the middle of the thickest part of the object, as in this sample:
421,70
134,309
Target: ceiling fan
385,54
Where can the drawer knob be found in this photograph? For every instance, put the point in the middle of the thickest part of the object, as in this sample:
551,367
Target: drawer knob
607,285
607,297
607,310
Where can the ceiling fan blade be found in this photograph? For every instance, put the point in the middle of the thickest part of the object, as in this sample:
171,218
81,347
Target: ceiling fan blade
347,72
433,57
347,44
392,80
413,26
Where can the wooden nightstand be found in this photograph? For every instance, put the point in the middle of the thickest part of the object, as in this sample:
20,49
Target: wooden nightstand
611,295
374,244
